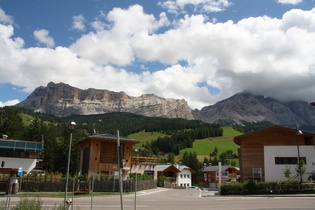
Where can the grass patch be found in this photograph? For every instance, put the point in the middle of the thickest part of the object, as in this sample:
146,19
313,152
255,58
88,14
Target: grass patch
27,119
61,194
145,137
229,131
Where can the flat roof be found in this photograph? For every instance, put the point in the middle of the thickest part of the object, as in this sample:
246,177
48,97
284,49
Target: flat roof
24,145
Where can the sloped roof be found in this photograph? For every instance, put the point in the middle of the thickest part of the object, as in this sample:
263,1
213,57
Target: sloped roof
216,168
109,137
237,139
176,167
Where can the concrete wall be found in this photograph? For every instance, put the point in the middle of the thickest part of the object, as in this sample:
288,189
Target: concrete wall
275,172
26,164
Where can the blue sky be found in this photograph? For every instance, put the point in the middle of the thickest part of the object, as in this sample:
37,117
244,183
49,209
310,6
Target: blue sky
202,51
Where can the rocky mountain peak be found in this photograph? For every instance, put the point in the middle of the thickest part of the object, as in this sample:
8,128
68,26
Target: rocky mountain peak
247,107
61,99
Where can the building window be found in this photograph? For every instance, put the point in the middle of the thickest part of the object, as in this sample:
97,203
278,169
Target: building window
288,160
181,176
185,176
188,176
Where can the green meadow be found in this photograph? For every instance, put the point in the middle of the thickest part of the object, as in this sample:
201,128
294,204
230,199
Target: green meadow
202,147
145,137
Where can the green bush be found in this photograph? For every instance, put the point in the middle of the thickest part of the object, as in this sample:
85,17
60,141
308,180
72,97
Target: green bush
250,186
161,179
254,187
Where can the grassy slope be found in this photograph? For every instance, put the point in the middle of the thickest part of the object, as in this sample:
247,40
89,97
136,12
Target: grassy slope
203,147
144,137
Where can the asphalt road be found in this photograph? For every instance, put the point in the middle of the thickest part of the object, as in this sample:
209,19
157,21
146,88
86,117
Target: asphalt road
183,199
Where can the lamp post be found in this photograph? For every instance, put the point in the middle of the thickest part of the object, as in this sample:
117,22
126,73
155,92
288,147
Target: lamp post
71,127
298,132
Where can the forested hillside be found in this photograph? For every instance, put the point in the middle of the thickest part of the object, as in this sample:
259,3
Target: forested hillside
24,124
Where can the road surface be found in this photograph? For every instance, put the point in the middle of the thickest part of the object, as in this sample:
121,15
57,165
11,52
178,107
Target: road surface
161,198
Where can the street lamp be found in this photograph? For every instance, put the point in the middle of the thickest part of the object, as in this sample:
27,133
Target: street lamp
297,134
71,127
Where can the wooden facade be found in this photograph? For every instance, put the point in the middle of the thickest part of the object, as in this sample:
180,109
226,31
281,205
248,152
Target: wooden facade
251,151
99,155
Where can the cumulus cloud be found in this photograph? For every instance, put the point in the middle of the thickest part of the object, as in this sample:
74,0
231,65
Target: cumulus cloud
4,18
179,6
9,103
294,2
112,46
268,56
78,22
43,37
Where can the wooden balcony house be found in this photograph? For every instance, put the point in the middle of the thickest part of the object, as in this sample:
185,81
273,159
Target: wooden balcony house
99,155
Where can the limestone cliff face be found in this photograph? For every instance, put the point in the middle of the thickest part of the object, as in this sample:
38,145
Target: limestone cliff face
63,100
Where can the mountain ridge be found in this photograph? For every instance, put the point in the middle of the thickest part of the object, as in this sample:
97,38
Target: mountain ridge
63,100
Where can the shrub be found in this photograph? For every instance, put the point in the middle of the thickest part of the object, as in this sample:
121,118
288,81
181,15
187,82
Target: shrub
161,179
27,204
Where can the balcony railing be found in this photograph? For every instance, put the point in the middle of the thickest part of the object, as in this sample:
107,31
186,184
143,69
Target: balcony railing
138,160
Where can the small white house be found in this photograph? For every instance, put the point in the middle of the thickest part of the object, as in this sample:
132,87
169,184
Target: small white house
180,175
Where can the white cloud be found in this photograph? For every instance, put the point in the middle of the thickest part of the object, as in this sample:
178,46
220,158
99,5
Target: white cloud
4,18
9,103
178,6
272,57
78,22
112,46
294,2
43,37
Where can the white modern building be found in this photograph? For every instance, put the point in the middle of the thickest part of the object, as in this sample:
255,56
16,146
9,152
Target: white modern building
266,154
281,158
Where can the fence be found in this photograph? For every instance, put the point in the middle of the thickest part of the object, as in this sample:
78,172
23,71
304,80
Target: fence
32,184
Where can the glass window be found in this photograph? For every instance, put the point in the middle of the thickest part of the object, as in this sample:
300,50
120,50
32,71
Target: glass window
288,160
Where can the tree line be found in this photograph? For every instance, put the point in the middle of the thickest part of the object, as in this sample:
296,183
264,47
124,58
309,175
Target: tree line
53,131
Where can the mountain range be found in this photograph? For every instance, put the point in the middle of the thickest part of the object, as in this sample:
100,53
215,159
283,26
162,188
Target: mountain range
61,99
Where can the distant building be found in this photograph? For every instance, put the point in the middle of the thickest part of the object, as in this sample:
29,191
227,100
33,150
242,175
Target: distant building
180,175
144,165
265,154
210,175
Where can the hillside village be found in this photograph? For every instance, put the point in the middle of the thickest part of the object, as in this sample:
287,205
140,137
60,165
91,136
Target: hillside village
239,156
